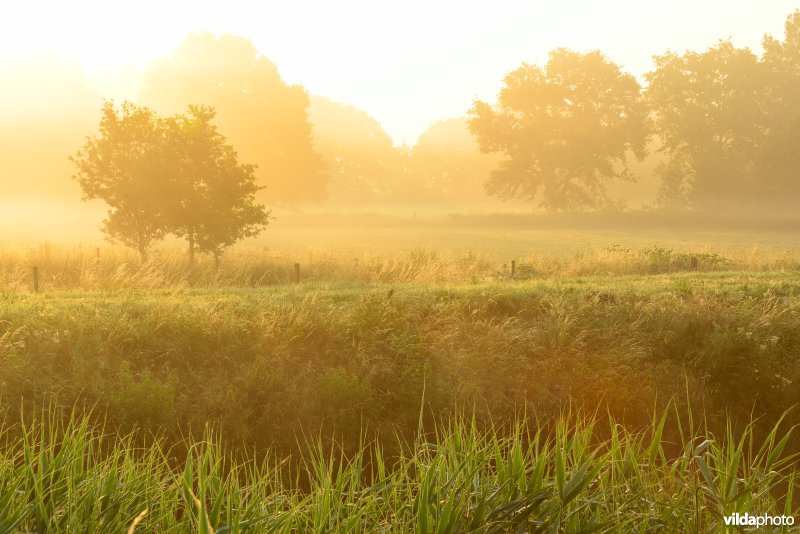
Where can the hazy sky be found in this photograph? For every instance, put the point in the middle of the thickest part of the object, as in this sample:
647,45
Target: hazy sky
408,62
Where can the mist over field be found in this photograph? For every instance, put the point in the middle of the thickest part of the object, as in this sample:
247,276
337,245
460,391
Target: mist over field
364,267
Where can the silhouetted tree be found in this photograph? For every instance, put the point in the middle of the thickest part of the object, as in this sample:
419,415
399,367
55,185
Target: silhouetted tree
564,130
365,166
215,193
125,166
263,117
779,154
363,163
446,164
709,117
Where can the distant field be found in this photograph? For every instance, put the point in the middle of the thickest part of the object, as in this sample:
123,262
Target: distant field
508,242
107,267
501,233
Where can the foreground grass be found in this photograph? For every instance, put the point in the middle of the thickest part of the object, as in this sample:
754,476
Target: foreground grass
577,474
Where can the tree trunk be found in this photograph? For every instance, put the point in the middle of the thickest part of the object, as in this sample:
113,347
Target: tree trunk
142,251
191,247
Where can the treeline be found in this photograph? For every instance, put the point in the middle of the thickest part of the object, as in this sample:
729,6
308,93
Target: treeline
720,127
723,125
725,122
729,123
311,148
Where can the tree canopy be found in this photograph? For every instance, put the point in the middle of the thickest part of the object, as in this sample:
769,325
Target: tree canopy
564,130
446,164
710,117
363,163
215,193
779,159
126,166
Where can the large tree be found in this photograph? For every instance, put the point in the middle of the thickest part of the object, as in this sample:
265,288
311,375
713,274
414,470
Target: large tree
266,119
709,117
779,156
126,166
564,130
215,194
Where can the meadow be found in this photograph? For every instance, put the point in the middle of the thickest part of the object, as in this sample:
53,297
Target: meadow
380,295
628,386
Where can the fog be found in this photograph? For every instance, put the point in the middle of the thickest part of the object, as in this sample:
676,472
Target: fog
709,132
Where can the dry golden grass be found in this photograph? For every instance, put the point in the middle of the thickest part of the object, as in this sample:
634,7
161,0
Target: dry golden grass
107,267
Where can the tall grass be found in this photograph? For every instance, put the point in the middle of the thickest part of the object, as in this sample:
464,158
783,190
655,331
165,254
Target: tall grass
348,353
573,474
119,268
270,362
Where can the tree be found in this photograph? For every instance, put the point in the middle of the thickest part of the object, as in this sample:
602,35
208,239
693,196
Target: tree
709,116
446,164
564,130
216,194
176,175
779,157
266,119
126,167
363,163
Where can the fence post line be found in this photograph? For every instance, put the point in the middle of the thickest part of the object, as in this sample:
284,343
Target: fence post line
513,268
35,279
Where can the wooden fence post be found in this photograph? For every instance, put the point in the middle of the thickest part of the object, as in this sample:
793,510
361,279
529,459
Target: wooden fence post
35,279
513,268
296,273
694,263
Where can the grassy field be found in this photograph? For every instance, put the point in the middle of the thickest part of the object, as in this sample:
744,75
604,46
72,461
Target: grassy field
617,388
113,268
